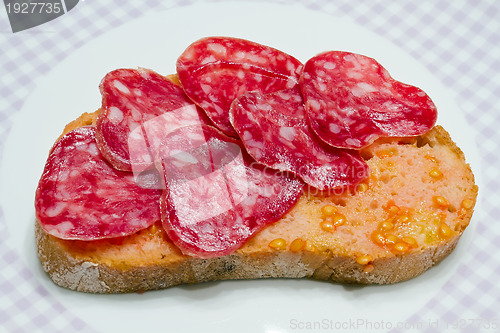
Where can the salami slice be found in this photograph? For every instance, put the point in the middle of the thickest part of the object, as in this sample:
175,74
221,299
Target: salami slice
130,98
351,100
80,196
275,132
214,71
216,196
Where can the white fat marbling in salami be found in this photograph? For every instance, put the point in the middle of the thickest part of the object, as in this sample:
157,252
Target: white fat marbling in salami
214,71
274,130
216,195
130,99
351,100
81,196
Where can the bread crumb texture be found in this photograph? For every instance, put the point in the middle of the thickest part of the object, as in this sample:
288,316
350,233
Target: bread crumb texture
406,216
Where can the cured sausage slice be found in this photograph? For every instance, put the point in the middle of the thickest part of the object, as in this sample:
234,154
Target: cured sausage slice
81,196
216,196
130,98
275,132
351,100
214,71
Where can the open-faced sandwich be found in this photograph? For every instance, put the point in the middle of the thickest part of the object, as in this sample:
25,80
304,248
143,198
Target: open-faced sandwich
248,164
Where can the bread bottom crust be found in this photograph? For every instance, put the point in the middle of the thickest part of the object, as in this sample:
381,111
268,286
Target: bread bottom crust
77,274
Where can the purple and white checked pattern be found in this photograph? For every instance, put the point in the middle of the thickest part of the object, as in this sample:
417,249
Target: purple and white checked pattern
458,41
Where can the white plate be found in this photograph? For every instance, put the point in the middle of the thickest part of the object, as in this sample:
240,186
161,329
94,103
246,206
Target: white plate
154,42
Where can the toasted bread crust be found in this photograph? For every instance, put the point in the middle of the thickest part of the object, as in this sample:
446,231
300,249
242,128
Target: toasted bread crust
88,267
86,276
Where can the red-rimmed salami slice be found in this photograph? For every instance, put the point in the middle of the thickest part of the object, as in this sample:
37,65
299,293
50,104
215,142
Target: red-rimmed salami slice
275,132
80,196
216,196
130,98
214,71
351,100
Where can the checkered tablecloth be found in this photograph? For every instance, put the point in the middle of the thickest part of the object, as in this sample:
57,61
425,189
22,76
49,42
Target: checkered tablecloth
459,41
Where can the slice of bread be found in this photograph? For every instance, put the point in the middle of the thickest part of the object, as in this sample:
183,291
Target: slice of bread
407,216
